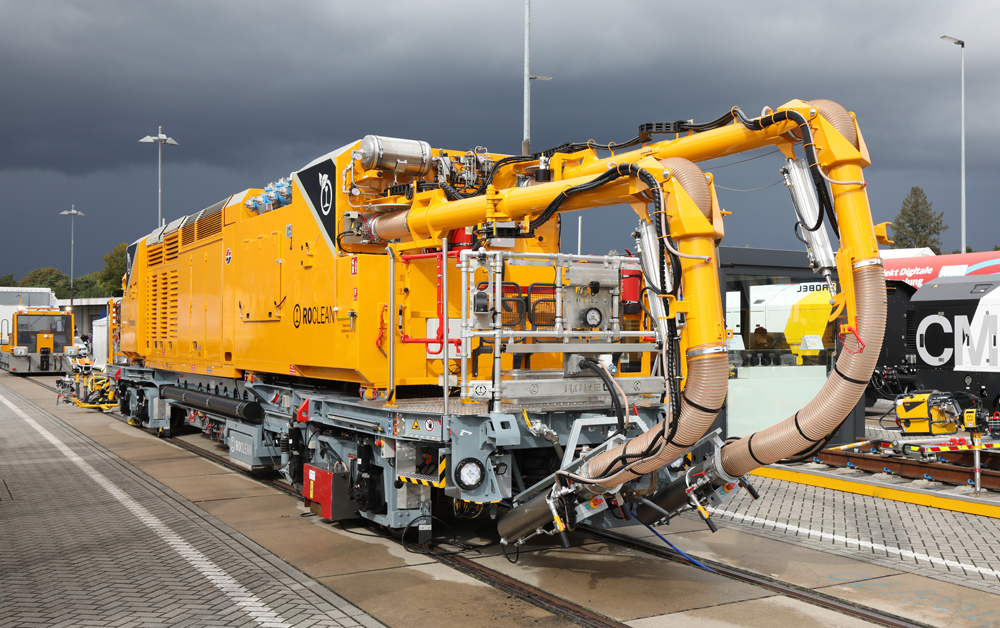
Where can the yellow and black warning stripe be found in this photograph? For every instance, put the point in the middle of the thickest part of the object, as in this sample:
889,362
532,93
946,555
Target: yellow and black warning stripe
442,467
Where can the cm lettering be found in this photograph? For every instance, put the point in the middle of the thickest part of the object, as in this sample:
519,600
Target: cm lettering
972,344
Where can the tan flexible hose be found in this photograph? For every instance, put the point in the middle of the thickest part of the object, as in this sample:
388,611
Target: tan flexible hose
835,400
390,226
839,117
708,379
693,180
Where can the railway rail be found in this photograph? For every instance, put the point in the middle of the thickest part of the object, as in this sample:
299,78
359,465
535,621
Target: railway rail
783,588
565,609
951,468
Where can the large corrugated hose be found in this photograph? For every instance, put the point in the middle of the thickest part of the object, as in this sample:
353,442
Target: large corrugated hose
692,179
390,226
839,117
835,400
707,383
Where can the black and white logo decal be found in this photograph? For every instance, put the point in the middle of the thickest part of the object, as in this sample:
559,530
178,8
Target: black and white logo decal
325,194
317,184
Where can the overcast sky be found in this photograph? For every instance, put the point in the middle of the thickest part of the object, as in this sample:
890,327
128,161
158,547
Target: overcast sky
254,89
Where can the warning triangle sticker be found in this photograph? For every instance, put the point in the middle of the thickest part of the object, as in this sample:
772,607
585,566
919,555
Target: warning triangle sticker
416,425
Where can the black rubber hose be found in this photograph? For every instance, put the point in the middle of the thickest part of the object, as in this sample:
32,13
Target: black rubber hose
645,131
610,384
810,150
621,170
451,193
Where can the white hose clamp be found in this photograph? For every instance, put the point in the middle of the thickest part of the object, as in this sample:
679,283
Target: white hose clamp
694,353
875,261
717,465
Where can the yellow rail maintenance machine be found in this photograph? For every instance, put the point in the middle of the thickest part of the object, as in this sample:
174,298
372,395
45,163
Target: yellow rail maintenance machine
394,328
37,341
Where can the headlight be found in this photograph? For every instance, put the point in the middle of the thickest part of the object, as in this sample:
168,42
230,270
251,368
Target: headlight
469,474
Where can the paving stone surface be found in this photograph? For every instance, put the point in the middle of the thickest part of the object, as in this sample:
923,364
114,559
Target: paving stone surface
949,546
73,553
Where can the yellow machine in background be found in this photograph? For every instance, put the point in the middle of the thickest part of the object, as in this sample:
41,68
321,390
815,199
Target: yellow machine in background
934,413
86,388
928,413
89,381
39,341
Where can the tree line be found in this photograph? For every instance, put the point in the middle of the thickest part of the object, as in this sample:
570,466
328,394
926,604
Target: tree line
917,225
106,282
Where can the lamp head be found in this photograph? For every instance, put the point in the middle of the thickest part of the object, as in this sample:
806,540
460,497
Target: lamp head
953,40
147,140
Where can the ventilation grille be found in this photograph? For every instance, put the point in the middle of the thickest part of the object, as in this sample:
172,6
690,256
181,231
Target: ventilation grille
187,234
152,302
911,331
208,226
173,285
161,305
170,247
154,255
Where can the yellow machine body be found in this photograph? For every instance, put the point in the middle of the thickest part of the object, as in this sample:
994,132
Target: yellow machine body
45,342
236,289
264,292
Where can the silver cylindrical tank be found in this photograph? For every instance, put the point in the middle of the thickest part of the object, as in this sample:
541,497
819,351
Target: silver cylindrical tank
526,518
803,191
401,156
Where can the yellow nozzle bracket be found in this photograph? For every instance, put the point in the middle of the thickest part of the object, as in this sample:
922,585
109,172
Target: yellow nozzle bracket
846,299
675,306
881,235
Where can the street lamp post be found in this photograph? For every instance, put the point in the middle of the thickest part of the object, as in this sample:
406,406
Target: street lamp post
160,140
528,77
72,213
961,44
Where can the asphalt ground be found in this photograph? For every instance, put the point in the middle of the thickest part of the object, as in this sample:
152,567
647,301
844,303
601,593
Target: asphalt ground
168,538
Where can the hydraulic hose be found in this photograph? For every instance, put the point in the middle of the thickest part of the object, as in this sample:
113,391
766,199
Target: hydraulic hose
707,383
839,118
613,389
690,414
838,396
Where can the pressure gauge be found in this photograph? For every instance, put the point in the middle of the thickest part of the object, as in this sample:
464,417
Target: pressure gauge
592,317
469,474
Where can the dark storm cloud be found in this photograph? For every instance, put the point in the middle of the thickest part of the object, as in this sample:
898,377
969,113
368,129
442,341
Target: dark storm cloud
254,89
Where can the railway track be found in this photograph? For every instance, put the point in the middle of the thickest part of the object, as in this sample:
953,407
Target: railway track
951,468
783,588
561,607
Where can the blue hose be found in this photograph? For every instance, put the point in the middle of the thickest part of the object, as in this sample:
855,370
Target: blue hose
678,550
